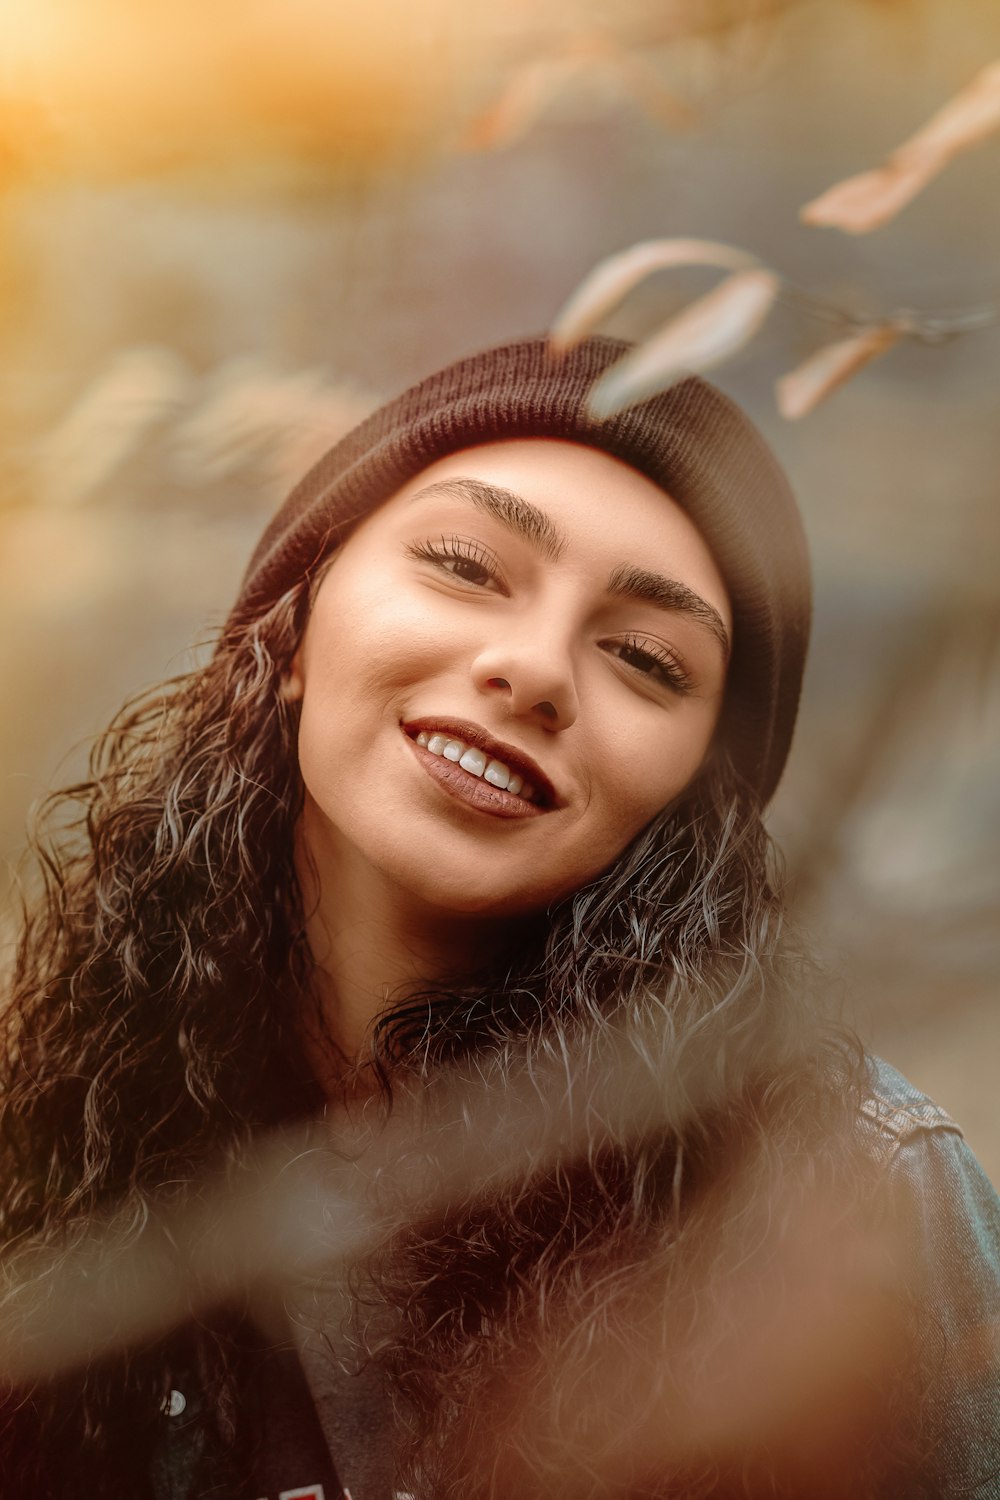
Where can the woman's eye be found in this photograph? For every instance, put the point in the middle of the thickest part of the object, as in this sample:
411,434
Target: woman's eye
466,568
460,558
653,662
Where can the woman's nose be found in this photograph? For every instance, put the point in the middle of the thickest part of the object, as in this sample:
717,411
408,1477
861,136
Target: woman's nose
535,678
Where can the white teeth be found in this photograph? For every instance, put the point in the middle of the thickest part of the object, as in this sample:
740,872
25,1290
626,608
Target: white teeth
497,774
473,761
477,764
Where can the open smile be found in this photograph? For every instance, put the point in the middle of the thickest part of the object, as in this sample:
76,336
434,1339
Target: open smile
487,775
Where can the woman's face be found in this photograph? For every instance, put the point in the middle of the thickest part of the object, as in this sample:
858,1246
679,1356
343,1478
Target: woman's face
510,667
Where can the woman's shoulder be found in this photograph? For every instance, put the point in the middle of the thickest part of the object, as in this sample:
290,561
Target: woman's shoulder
898,1109
921,1143
948,1203
945,1219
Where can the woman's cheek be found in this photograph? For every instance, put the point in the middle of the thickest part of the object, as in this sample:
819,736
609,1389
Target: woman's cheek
414,641
647,772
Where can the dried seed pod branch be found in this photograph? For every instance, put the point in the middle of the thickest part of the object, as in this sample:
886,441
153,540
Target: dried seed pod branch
711,329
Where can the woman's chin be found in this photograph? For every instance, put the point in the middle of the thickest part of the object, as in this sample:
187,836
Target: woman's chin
479,897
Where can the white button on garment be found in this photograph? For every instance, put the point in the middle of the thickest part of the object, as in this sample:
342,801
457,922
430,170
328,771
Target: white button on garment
174,1404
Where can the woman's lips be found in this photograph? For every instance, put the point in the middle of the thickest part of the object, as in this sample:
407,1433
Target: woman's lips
472,790
475,735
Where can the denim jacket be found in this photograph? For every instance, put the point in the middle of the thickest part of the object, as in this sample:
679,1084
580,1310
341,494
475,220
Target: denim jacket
951,1223
950,1220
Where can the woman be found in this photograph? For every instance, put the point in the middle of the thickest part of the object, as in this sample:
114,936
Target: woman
470,793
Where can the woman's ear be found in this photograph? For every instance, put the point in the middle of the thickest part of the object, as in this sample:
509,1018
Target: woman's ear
293,684
293,681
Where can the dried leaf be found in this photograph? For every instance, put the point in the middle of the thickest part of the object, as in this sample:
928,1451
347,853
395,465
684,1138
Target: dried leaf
532,86
656,101
819,375
528,91
866,202
707,332
871,199
612,279
964,121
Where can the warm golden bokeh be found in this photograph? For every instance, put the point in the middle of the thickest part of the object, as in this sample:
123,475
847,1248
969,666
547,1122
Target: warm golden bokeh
105,88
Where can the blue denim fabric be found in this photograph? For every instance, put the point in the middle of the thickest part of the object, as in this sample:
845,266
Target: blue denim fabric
948,1215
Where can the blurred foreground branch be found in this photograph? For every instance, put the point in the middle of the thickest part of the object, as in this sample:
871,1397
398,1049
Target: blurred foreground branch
796,1284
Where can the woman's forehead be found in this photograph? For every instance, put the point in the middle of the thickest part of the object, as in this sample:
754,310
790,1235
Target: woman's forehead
544,460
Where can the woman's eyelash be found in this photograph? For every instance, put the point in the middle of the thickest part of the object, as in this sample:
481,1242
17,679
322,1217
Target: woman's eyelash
652,660
459,556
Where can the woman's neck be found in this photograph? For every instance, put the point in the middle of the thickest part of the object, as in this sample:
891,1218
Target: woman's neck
371,945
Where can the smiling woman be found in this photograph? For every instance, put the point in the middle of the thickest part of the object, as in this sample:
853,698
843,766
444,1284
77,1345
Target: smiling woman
465,808
484,625
611,699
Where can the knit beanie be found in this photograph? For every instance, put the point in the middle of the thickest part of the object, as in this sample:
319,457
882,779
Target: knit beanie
690,440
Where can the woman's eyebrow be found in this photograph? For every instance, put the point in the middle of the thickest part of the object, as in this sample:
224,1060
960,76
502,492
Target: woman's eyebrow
535,527
628,582
510,509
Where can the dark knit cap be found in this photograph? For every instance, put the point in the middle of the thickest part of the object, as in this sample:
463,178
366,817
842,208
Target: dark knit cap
691,441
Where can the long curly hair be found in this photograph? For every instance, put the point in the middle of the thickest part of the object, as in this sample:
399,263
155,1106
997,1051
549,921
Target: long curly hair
152,1028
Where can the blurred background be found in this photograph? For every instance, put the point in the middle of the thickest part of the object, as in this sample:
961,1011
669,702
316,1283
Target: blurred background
227,232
